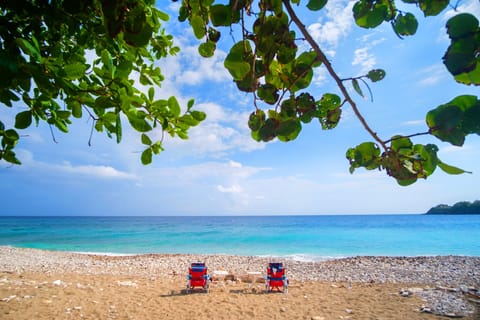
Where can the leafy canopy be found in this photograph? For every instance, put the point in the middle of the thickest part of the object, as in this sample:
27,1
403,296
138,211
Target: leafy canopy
43,47
267,63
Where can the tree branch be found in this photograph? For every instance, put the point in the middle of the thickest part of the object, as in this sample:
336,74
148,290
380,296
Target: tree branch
321,57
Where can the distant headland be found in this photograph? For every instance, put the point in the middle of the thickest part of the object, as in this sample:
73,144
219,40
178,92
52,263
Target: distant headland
463,207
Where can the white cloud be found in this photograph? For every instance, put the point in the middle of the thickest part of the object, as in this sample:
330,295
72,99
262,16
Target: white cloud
232,189
432,74
94,171
414,123
454,149
196,69
364,59
336,25
471,6
102,172
223,132
234,164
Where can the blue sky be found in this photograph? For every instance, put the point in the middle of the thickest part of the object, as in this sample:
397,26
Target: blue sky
220,170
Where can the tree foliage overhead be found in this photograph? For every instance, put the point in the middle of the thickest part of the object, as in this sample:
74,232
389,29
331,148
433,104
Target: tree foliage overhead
44,62
44,44
267,62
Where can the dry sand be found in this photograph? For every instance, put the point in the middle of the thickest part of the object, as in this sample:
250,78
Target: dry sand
38,284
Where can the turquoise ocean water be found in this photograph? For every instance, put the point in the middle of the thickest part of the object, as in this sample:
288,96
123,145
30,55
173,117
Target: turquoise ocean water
298,237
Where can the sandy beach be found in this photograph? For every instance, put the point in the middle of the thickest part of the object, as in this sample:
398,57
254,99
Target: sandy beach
36,284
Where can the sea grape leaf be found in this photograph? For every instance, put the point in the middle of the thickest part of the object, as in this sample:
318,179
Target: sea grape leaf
235,60
23,119
146,156
198,26
174,106
405,24
364,155
357,88
376,75
207,49
74,71
220,15
368,14
461,25
146,139
316,5
432,7
451,169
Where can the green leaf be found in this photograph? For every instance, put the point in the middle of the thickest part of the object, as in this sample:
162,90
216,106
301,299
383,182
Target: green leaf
220,15
174,106
213,35
29,49
356,86
198,115
451,122
190,104
461,25
235,60
189,120
366,154
308,58
330,101
74,71
139,124
162,15
12,136
405,24
61,126
316,5
444,122
198,26
137,32
406,182
157,147
267,131
146,139
376,75
107,61
146,156
256,120
76,108
268,93
451,169
433,7
207,49
151,94
368,14
23,119
288,130
9,156
399,142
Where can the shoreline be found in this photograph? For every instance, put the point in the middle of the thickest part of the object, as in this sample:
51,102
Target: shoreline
307,258
442,270
52,282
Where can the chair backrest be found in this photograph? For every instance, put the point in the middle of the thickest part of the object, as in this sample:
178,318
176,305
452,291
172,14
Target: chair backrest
198,269
275,269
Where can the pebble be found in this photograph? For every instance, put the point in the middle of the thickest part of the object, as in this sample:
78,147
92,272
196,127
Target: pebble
450,276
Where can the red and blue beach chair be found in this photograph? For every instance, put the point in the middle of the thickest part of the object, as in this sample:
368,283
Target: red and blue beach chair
198,277
276,278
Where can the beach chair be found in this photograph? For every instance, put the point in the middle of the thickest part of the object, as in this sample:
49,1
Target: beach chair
198,277
276,278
